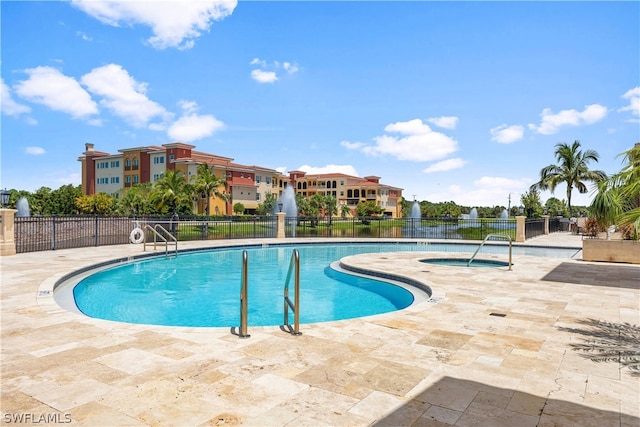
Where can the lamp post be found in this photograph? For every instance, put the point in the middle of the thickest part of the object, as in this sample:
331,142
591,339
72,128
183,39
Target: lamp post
279,206
4,198
520,209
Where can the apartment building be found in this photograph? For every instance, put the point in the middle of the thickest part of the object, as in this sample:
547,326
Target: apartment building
113,174
349,190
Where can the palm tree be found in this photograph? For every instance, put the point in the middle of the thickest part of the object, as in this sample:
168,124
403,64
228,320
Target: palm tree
618,198
344,211
171,190
572,169
331,206
207,183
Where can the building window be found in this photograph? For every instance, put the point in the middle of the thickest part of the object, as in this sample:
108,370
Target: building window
135,179
171,157
341,183
127,179
157,160
268,180
258,179
257,197
241,175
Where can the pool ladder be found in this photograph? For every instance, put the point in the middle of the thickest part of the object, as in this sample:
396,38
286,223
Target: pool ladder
244,296
159,232
485,240
294,267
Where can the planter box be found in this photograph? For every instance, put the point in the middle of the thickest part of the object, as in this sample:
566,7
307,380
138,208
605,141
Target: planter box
611,250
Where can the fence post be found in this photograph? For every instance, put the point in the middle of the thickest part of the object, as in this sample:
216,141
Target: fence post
546,224
53,232
96,235
520,231
7,233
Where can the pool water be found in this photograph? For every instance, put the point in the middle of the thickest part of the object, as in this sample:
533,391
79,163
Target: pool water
202,288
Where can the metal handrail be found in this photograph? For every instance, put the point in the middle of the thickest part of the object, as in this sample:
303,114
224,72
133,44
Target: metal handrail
294,266
244,296
157,234
485,240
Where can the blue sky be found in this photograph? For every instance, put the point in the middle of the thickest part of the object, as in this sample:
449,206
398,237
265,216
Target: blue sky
460,101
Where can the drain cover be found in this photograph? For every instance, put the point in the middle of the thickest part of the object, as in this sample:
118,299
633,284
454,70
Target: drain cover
497,314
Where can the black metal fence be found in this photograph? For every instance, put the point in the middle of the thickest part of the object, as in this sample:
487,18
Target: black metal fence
533,228
62,232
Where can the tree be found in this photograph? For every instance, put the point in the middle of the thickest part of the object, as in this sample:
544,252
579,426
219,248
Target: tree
207,183
227,197
370,208
572,169
532,203
171,191
63,200
555,206
41,202
330,206
96,204
344,211
137,200
238,208
618,197
266,207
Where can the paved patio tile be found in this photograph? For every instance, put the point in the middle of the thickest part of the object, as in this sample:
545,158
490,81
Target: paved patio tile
490,347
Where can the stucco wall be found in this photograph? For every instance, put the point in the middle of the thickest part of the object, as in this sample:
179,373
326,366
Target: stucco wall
611,250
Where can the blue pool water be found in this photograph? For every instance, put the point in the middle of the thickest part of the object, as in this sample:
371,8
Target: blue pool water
202,288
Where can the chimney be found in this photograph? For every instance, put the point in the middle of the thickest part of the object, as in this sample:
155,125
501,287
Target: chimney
88,148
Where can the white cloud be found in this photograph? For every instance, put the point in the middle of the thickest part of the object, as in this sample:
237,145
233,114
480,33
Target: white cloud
122,95
290,68
445,165
551,123
485,191
8,105
258,61
188,106
633,95
83,36
192,127
417,143
49,87
507,134
264,76
35,151
268,73
446,122
352,145
173,23
314,170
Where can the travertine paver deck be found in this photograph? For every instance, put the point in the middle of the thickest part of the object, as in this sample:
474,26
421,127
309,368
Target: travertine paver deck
491,347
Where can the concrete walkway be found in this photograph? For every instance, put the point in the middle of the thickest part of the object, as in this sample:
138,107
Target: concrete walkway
536,346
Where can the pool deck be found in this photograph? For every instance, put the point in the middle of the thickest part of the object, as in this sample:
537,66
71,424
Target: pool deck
492,347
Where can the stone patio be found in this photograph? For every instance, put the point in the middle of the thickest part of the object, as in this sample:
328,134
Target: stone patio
528,347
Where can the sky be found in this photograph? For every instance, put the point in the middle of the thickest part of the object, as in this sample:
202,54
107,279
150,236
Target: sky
450,101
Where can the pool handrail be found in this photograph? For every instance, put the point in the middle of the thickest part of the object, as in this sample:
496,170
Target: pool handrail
157,234
502,235
294,266
244,296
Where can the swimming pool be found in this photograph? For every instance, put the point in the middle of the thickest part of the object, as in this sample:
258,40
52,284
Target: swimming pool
201,288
